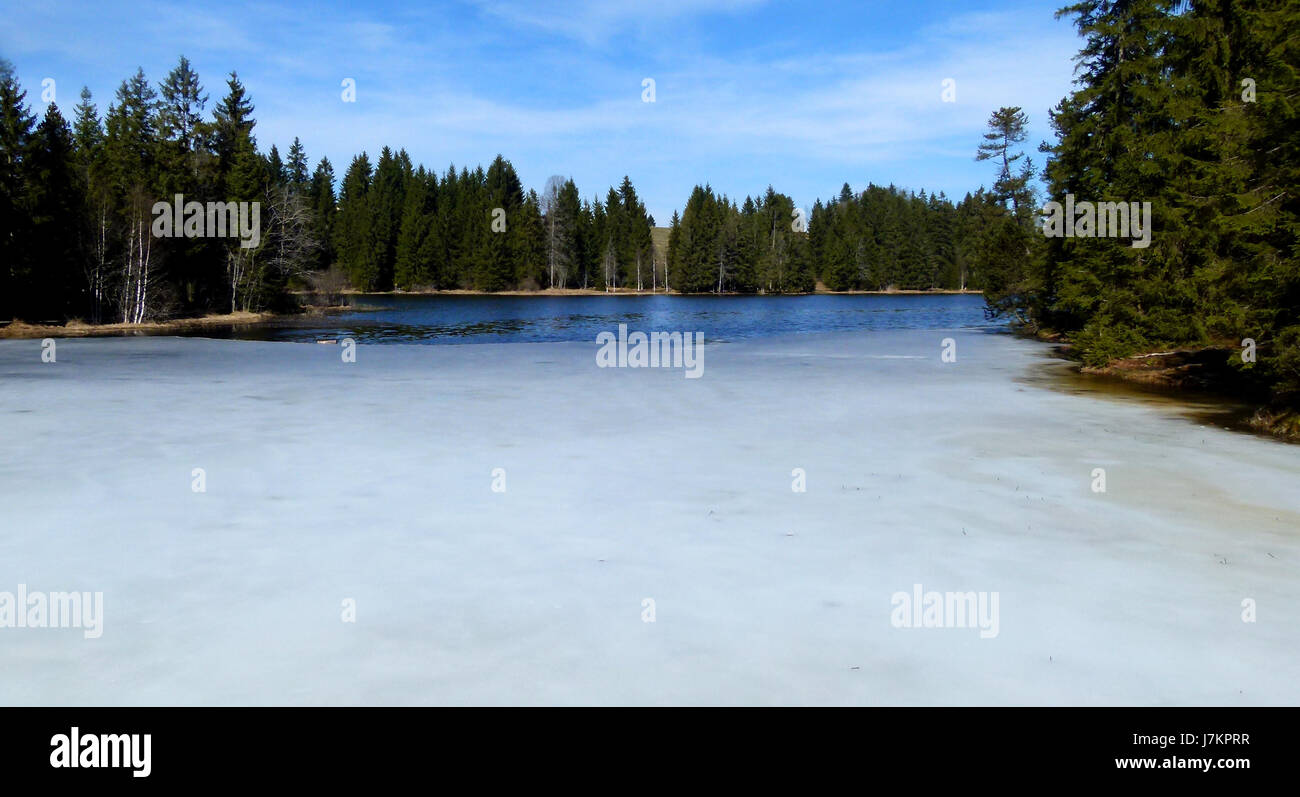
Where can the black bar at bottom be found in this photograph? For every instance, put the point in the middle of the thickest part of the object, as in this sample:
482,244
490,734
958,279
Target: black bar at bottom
332,746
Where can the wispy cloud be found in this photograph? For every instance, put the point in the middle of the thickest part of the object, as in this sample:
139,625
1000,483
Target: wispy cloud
747,92
593,22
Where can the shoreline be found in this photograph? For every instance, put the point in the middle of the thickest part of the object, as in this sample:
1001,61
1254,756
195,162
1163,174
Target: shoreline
630,292
21,330
1192,376
18,329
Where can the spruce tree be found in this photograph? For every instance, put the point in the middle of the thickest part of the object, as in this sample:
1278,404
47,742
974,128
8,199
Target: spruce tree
296,175
56,204
354,226
324,212
16,125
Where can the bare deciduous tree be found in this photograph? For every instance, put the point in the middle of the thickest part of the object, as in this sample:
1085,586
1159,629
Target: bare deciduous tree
558,229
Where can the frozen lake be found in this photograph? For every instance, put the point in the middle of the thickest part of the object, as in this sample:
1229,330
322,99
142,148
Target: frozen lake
372,483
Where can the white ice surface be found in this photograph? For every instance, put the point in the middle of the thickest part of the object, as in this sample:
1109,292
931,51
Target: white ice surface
371,481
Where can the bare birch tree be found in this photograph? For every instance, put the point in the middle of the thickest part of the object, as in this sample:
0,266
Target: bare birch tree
558,228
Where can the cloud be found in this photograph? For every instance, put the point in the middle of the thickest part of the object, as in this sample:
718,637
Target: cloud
594,22
549,85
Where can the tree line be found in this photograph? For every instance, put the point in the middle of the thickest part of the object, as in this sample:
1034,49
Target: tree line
1191,106
77,200
77,213
405,228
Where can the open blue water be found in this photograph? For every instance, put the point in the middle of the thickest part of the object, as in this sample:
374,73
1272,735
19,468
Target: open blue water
498,319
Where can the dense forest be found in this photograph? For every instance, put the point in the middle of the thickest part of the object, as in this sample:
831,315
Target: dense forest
879,239
1190,106
1193,108
77,205
78,210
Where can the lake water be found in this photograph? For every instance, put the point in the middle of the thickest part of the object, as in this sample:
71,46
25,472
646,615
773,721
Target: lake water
502,319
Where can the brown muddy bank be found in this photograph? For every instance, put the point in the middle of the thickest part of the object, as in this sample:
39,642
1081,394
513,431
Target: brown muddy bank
80,329
1198,383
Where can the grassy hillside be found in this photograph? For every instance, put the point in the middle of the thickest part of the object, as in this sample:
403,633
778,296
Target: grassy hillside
659,236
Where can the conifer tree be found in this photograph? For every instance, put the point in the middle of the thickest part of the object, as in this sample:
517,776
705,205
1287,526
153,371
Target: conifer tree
56,211
324,212
16,127
296,167
353,230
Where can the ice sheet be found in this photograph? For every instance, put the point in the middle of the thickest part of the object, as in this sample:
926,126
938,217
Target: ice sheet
372,481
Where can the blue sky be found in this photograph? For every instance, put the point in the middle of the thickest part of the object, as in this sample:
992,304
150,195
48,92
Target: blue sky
801,95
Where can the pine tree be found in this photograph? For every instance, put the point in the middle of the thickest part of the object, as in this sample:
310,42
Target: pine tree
501,192
193,279
1006,132
233,123
16,123
95,229
131,148
248,278
387,198
573,238
296,168
181,124
411,267
275,170
56,207
354,226
528,244
324,212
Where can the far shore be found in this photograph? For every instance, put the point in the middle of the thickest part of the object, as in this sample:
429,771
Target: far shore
77,328
80,329
634,292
